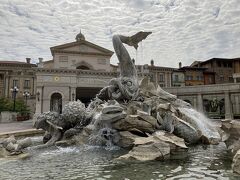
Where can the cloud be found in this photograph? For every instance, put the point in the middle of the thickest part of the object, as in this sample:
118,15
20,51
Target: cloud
183,30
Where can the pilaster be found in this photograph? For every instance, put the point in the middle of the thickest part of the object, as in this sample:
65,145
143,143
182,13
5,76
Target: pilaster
237,104
199,103
228,106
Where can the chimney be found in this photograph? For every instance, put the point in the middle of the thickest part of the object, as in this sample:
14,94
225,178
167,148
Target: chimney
152,62
133,60
40,60
180,65
28,60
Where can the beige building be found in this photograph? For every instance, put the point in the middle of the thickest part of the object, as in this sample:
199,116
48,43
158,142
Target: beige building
161,76
78,71
20,75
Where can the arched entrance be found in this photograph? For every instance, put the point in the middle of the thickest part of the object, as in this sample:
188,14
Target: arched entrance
56,102
85,94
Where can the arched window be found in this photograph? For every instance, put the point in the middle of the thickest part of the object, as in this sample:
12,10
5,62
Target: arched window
56,103
83,67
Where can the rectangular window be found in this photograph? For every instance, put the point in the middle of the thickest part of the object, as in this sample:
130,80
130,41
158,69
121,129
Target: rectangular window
161,77
102,61
27,84
221,78
15,83
176,78
199,78
63,58
189,78
238,80
219,64
230,78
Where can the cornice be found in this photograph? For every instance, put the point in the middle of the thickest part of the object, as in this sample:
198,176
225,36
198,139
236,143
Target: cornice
75,71
87,43
157,68
82,53
17,65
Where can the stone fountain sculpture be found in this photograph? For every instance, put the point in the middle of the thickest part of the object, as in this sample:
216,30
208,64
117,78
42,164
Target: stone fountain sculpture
130,113
126,86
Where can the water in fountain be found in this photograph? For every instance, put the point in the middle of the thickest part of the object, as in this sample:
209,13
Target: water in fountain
201,122
91,162
105,137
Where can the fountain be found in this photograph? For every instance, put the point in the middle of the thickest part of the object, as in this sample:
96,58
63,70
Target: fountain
131,114
129,110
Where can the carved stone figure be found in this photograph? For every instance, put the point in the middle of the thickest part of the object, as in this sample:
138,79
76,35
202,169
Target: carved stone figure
126,86
130,114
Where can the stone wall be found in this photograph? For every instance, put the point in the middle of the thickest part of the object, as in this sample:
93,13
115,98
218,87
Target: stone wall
7,117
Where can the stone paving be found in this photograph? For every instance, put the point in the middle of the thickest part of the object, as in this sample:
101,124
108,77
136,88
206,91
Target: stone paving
16,126
22,128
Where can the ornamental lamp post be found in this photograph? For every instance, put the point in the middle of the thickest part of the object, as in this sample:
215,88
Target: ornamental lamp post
26,95
14,93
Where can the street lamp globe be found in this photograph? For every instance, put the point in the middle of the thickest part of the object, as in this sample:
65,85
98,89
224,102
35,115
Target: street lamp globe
26,95
14,91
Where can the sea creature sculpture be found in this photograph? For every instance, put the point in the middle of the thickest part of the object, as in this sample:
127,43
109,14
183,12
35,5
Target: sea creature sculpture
52,123
127,110
125,87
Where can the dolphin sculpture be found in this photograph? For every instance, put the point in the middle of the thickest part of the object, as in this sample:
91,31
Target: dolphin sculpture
126,86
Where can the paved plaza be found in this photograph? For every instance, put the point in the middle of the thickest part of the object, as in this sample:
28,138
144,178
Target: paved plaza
22,128
16,126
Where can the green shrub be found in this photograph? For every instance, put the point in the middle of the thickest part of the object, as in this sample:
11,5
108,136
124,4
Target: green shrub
7,105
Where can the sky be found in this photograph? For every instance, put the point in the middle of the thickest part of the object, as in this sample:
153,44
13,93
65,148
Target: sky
182,30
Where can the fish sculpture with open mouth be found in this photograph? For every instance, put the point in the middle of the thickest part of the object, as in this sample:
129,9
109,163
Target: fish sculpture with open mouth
126,86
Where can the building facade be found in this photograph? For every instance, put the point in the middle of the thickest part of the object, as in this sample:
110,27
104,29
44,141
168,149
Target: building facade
78,71
20,75
161,76
178,78
216,101
193,75
224,70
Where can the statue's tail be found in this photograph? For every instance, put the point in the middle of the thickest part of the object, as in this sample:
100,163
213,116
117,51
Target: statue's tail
135,39
127,67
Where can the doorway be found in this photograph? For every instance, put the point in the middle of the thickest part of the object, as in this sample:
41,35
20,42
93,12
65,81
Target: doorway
85,95
56,103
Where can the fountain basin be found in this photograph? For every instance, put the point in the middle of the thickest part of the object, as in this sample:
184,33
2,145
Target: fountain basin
95,162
